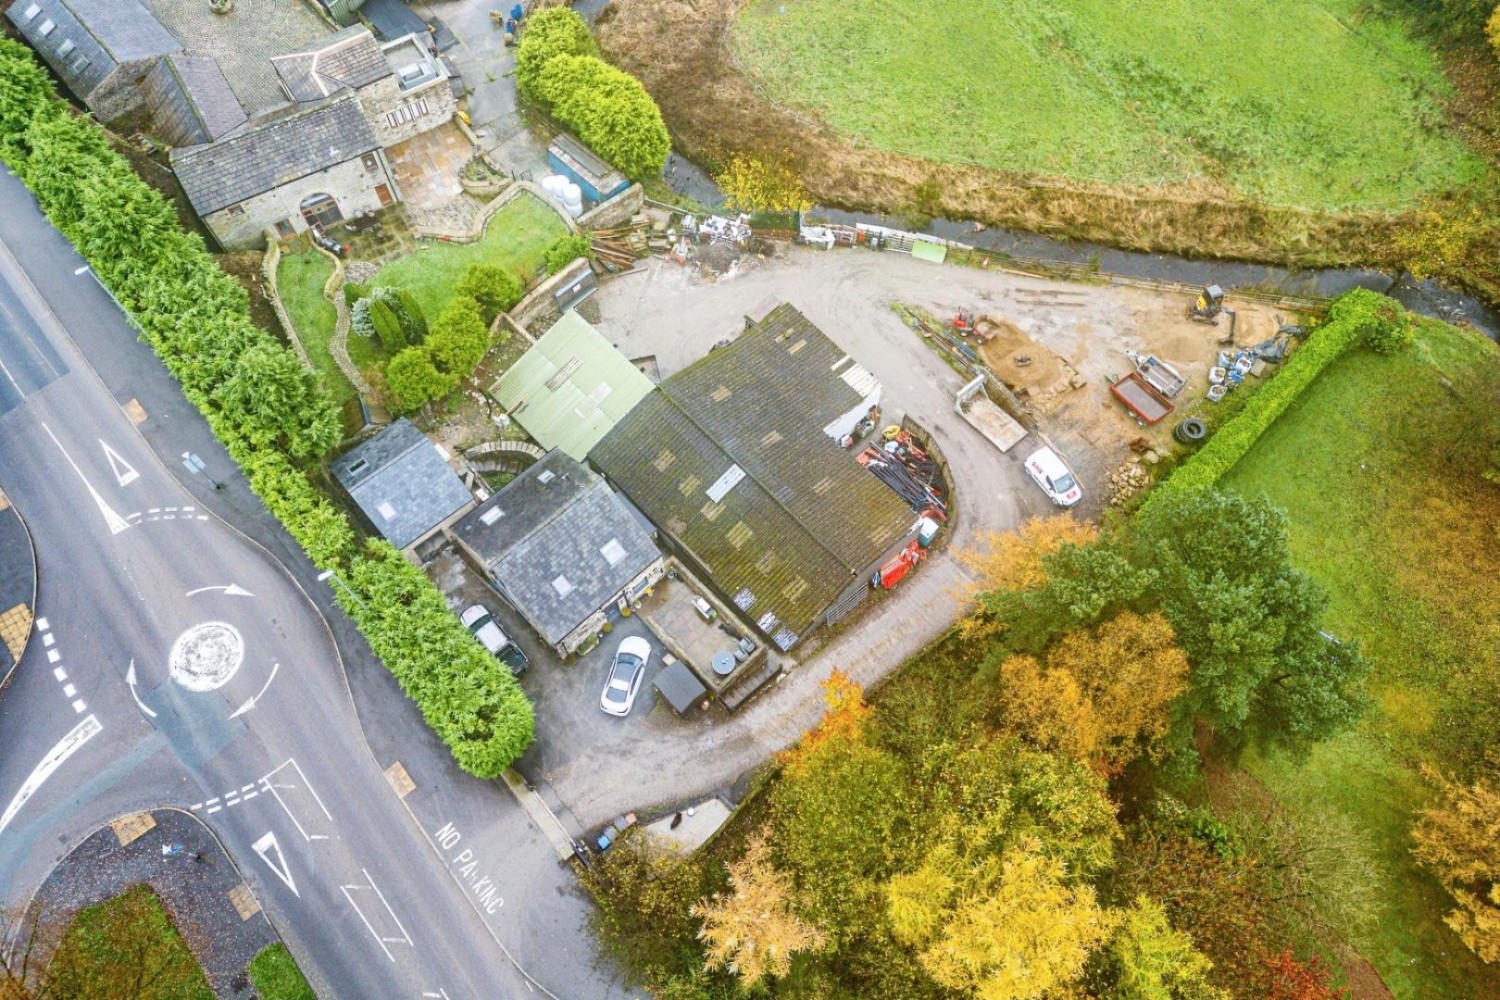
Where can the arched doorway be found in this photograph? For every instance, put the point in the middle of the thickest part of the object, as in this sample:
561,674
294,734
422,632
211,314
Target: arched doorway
322,211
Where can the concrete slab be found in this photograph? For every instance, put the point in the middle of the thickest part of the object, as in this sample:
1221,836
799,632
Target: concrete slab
693,826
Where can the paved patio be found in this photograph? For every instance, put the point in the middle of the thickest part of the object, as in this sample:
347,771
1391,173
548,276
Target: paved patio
427,168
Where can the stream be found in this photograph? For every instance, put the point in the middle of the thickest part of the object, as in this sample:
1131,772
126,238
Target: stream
1427,298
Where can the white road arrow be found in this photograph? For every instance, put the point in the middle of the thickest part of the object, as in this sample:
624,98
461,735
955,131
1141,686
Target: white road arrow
124,472
265,847
248,705
65,748
233,590
130,679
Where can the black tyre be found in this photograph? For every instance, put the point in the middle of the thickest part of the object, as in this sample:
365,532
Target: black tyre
1191,431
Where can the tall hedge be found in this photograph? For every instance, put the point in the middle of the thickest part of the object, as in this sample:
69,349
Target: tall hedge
1355,316
609,110
266,409
556,31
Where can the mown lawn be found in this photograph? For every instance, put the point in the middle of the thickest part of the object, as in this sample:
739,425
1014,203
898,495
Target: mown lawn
1377,466
126,947
516,238
300,279
275,975
1309,104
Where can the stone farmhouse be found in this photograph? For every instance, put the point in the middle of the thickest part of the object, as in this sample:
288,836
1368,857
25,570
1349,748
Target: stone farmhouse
275,121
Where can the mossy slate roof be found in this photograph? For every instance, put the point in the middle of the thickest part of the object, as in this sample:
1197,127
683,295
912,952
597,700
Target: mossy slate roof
806,520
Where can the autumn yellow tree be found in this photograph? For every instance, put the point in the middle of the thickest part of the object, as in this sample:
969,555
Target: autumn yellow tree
752,931
1458,840
843,721
767,182
1105,694
1011,927
1012,560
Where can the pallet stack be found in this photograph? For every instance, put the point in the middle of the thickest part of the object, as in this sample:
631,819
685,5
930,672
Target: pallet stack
619,248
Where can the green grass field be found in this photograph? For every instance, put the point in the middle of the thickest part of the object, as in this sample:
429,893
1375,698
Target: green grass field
300,279
1307,104
516,238
1377,467
275,975
126,947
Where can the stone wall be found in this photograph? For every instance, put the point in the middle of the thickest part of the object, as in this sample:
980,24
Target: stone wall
122,91
536,312
615,212
351,183
428,107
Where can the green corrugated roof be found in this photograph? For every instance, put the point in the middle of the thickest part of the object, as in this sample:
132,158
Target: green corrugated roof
571,387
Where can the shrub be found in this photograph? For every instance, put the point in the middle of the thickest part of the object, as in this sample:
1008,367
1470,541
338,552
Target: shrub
493,288
566,250
387,326
554,32
360,320
414,380
460,339
353,293
609,110
409,312
1388,328
1351,319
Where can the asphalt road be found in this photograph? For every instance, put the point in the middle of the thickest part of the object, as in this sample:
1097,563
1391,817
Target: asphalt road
175,662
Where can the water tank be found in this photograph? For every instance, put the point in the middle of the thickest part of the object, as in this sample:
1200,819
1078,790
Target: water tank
572,199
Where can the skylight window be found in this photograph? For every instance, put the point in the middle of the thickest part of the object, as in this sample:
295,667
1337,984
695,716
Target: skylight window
725,483
492,515
562,586
386,510
32,11
613,552
66,47
48,26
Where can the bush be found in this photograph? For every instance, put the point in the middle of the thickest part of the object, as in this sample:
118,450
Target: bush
275,975
353,293
415,381
553,32
460,339
1351,318
609,110
566,250
265,408
360,321
1388,328
493,288
387,326
409,312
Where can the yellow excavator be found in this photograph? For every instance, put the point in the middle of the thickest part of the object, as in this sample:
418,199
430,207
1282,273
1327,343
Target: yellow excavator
1208,307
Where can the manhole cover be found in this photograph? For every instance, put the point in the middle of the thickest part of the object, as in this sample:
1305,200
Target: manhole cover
205,656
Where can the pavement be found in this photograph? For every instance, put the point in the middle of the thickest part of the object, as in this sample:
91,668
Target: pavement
486,65
376,895
195,879
17,581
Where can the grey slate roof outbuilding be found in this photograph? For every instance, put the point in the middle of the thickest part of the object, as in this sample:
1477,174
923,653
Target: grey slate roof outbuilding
89,39
401,483
190,100
558,543
349,59
731,457
265,155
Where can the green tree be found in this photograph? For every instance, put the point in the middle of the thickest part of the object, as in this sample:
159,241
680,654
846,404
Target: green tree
459,338
1083,584
415,381
409,312
388,328
1248,621
609,110
1151,961
557,31
277,402
566,250
493,288
763,183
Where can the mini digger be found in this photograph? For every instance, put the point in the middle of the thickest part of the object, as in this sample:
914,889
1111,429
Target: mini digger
1209,306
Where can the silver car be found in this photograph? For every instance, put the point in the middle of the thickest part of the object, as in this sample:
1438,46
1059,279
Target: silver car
626,671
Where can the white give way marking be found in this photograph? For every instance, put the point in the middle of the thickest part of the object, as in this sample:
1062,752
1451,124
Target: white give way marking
125,473
265,847
65,748
115,522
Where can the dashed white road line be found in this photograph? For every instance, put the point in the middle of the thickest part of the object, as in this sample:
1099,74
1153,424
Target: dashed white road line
55,656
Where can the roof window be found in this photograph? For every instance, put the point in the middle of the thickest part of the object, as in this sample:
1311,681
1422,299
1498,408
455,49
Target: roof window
359,466
32,11
725,483
48,26
66,47
562,586
386,510
546,477
492,515
613,552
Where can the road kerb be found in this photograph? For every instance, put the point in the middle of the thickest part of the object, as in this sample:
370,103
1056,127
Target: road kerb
542,816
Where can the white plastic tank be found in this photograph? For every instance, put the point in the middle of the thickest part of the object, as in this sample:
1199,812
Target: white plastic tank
572,199
554,184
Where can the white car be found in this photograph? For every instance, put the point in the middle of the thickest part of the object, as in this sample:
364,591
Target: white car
1054,477
626,672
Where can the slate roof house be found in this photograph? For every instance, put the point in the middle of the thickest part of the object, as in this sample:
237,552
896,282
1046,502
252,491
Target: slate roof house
284,169
570,387
564,549
735,459
403,485
190,100
101,49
